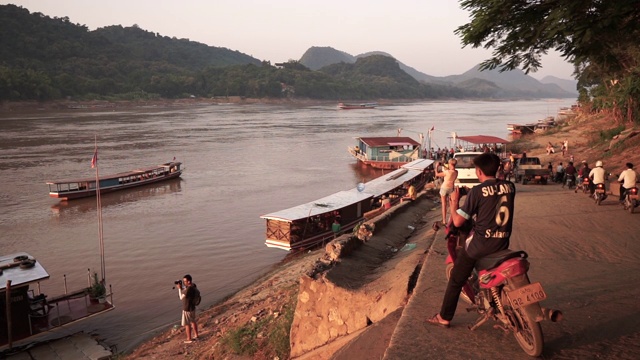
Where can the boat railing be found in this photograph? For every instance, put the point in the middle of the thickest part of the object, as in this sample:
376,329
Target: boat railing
45,313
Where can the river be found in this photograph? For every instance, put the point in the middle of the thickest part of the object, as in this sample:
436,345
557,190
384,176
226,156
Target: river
241,161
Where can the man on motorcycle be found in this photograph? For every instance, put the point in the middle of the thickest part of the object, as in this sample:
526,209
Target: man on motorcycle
570,171
598,176
492,204
627,180
582,173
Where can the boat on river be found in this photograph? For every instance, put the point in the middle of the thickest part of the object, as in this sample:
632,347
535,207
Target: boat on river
311,224
31,313
347,106
385,152
85,187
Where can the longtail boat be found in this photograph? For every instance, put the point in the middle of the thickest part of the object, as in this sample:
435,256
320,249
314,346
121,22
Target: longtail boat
310,224
85,187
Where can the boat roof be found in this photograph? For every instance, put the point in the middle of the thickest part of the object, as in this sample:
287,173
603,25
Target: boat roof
483,139
326,204
388,141
18,275
118,175
373,188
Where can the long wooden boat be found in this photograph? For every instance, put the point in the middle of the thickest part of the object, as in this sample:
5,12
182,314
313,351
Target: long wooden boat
310,224
385,152
33,313
79,188
346,106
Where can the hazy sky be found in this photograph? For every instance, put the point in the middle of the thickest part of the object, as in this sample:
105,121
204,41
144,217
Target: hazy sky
418,33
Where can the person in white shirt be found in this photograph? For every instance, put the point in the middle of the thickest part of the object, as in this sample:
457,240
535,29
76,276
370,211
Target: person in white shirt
627,180
598,176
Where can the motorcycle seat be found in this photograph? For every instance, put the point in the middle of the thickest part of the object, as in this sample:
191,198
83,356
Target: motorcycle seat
493,260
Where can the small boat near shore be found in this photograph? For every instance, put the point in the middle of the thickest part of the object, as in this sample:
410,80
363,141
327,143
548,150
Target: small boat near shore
85,187
385,152
32,313
347,106
310,224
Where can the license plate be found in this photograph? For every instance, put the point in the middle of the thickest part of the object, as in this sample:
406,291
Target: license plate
633,197
526,295
599,191
538,177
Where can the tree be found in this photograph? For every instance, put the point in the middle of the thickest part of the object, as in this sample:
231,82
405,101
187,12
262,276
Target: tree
600,38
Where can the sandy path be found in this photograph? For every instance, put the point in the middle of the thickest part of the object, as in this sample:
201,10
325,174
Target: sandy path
587,259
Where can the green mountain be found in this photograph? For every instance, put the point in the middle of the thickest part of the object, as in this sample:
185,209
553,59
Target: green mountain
566,85
317,57
494,84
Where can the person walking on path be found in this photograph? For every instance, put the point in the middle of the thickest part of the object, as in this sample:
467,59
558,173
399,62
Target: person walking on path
187,294
492,202
450,175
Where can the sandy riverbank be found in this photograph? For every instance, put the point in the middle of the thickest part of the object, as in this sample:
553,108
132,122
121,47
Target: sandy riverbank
269,297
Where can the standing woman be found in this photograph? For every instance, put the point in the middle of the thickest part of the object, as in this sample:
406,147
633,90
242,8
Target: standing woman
450,175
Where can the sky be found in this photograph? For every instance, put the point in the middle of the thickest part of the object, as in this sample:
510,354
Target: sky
418,33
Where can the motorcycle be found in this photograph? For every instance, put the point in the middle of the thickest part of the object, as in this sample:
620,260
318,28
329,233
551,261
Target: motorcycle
583,185
500,289
599,194
631,199
570,181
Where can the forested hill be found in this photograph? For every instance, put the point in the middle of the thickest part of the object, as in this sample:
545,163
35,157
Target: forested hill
59,58
44,58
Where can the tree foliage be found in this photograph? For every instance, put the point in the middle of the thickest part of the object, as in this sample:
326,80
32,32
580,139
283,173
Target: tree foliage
600,38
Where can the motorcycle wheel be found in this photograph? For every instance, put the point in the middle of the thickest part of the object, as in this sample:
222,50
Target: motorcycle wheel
527,331
463,296
598,200
632,205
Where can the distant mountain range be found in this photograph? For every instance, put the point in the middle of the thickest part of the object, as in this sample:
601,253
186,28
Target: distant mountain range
508,84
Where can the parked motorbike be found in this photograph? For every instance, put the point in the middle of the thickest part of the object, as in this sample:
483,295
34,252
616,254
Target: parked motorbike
631,199
500,289
599,194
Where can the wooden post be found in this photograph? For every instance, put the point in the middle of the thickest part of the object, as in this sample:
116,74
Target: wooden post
9,325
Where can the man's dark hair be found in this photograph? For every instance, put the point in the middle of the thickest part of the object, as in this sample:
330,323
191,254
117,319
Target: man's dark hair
630,165
488,163
188,277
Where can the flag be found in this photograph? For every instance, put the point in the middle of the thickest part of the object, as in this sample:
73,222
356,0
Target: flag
433,128
94,159
174,158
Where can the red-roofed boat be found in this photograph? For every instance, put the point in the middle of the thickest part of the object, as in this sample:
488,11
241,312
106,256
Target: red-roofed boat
385,152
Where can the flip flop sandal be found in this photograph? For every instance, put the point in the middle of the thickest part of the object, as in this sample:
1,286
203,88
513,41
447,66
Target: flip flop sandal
435,321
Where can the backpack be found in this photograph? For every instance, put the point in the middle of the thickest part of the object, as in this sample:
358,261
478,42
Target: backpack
196,296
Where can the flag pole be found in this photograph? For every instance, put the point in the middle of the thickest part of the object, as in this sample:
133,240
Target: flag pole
94,163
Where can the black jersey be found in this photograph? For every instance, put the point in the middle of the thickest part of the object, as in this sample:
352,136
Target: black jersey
492,204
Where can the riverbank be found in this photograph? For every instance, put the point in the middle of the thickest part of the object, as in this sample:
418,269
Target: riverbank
256,320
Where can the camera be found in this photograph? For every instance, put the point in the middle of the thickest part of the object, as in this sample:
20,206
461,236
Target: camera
177,282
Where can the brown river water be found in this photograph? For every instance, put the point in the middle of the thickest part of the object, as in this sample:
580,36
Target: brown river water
241,161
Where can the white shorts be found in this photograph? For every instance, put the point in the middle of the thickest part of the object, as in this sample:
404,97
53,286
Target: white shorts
188,317
445,191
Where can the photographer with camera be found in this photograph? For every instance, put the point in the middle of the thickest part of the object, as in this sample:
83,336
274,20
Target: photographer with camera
187,292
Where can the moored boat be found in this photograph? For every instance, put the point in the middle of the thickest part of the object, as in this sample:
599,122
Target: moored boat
84,187
32,313
310,224
347,106
385,152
